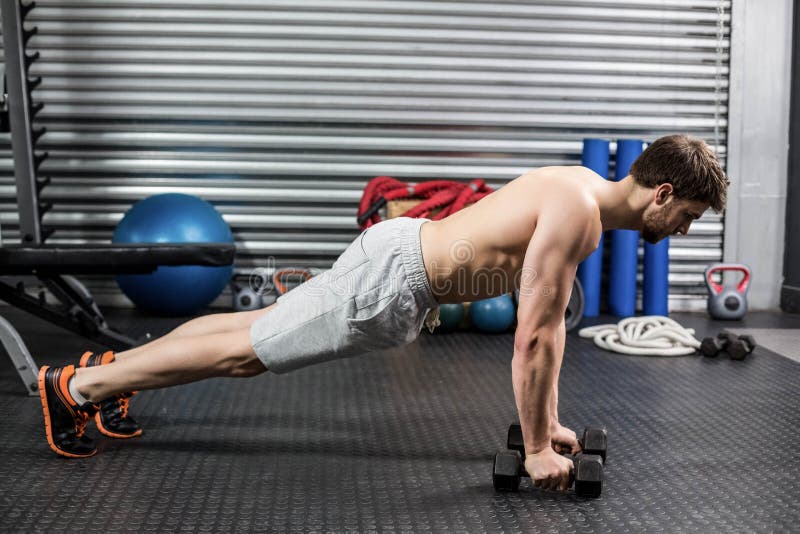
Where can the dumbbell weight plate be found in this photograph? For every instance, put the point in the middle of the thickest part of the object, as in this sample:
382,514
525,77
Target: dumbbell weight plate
595,441
737,350
711,346
514,440
506,471
744,345
750,340
588,475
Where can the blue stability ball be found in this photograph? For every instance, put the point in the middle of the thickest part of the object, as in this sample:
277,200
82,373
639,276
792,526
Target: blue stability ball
493,315
174,218
450,315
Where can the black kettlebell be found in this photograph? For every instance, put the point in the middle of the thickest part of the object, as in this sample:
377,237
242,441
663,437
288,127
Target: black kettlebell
727,301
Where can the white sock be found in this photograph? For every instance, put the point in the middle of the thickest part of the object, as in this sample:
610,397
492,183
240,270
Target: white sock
73,391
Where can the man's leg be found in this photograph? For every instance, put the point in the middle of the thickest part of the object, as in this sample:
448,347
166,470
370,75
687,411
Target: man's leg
67,394
172,361
113,418
205,325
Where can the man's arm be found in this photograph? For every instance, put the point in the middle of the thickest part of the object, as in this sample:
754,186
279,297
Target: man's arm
564,236
561,338
561,438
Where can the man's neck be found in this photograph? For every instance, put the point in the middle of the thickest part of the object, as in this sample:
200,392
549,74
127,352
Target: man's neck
621,204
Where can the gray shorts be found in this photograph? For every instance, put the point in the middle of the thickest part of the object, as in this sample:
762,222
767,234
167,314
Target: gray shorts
376,295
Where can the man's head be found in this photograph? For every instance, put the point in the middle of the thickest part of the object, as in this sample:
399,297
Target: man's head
684,178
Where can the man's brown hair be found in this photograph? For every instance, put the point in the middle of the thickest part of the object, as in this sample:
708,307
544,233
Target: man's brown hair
687,163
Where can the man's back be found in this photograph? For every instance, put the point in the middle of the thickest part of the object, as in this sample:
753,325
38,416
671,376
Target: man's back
478,252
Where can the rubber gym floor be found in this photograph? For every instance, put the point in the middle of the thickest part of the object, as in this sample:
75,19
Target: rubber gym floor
403,442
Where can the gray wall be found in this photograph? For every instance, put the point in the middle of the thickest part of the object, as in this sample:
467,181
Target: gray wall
790,292
758,138
279,112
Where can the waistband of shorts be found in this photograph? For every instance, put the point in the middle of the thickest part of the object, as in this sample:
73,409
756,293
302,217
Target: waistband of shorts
411,254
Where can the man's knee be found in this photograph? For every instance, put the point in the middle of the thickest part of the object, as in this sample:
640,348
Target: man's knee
247,368
242,361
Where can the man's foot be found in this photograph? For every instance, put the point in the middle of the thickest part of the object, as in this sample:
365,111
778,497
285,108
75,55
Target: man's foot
112,418
64,420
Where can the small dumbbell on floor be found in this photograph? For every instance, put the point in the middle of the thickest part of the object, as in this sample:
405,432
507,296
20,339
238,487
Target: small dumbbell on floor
593,441
587,476
737,347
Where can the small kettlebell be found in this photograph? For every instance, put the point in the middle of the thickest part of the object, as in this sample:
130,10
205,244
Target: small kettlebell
727,301
246,298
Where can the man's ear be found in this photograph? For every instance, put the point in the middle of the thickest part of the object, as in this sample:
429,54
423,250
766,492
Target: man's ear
663,193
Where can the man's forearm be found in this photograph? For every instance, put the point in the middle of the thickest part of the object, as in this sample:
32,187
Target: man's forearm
554,403
534,375
561,338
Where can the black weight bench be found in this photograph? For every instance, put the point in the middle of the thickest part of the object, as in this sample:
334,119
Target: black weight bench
76,310
53,265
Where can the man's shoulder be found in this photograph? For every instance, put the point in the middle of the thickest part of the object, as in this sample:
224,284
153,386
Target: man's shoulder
561,192
572,215
556,171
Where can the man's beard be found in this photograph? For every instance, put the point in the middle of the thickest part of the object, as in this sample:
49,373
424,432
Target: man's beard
652,229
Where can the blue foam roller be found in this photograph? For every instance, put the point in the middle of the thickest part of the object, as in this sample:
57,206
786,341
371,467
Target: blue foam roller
624,243
655,295
590,271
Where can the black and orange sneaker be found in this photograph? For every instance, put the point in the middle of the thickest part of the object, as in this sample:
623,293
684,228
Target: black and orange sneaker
112,418
64,420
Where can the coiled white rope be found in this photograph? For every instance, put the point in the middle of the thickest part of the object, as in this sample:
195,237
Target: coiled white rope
651,335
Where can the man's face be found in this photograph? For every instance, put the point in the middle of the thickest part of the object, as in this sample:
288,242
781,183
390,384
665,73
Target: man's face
670,217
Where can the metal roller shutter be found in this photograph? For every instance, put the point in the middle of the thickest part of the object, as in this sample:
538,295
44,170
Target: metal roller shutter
279,112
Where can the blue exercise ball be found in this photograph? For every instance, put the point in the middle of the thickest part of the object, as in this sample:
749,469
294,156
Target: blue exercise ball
493,315
174,218
450,316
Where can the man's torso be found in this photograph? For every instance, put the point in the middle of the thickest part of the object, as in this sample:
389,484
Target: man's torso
478,252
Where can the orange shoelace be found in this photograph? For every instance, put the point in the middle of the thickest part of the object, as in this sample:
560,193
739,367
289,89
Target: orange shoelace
81,418
123,405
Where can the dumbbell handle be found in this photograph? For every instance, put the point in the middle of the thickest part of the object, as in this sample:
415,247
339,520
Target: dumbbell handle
524,473
571,483
580,442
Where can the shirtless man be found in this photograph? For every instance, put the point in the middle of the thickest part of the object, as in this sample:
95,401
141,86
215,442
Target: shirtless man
531,234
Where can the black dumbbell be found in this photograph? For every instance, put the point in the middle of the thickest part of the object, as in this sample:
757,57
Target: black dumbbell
712,346
737,347
586,477
594,440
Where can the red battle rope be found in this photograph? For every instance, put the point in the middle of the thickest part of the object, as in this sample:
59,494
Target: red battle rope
445,194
